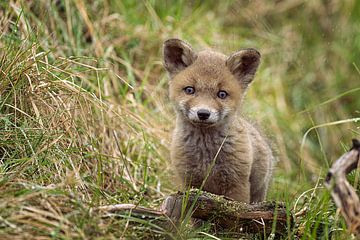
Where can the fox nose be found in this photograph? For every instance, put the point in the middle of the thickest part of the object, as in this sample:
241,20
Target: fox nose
203,114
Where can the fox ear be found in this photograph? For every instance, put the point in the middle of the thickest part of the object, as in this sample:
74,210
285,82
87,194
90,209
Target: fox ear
178,55
243,65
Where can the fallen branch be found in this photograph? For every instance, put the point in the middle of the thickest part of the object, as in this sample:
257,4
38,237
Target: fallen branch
342,192
134,209
225,214
229,215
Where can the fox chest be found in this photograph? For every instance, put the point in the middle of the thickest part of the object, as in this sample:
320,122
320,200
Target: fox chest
210,156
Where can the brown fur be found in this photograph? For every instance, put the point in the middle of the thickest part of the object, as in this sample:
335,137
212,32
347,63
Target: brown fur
243,165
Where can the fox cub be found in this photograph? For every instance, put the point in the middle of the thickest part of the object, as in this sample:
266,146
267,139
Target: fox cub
207,89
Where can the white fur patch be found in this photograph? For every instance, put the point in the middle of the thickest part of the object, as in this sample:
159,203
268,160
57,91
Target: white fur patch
213,118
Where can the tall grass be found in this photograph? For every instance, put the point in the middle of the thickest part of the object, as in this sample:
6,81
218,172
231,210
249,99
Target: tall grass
85,118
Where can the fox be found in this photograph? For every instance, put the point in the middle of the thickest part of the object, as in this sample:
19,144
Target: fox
213,147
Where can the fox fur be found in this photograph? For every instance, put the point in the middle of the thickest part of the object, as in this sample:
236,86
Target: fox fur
212,145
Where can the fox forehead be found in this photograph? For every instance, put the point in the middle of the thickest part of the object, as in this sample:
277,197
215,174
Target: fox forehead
208,72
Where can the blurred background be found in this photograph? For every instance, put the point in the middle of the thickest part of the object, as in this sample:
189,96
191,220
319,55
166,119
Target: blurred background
85,117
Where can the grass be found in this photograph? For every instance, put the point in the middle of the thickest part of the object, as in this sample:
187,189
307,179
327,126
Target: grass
85,118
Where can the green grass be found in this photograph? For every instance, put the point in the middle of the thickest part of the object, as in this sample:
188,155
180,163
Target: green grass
85,118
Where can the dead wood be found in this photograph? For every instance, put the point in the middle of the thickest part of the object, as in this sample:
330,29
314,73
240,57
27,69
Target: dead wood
344,195
224,214
134,209
229,215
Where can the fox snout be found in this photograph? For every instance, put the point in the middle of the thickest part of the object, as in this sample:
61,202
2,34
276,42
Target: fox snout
203,115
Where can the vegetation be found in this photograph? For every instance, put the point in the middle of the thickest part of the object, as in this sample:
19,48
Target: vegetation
85,118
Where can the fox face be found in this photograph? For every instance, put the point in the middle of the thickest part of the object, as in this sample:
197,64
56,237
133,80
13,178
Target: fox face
207,87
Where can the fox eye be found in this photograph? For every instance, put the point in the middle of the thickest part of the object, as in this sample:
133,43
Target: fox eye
222,94
189,90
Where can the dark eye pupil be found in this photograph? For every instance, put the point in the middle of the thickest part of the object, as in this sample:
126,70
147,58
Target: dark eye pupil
189,90
222,94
